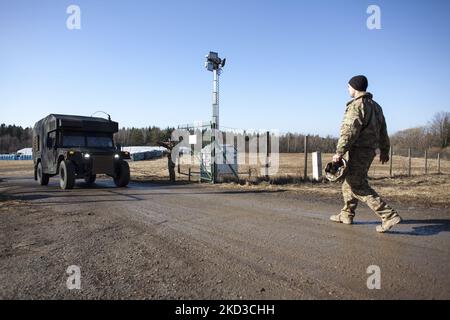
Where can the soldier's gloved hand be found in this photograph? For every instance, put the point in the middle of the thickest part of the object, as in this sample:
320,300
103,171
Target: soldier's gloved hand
384,158
337,158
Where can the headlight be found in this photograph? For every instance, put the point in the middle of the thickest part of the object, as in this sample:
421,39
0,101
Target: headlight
116,156
87,155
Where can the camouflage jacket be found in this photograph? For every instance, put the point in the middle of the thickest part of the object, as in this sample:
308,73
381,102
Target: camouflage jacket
363,126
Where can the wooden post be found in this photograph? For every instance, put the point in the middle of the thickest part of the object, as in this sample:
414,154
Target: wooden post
267,154
305,174
426,161
245,143
439,163
409,162
257,155
257,145
288,146
391,153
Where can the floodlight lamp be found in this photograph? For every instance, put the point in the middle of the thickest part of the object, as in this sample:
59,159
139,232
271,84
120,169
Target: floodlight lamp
213,62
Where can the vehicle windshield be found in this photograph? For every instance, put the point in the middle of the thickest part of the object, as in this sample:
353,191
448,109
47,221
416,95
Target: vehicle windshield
99,142
71,140
94,140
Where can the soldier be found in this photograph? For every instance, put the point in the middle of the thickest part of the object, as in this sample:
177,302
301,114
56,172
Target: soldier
169,145
363,131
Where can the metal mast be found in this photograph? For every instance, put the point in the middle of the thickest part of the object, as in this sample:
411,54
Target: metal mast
215,64
215,96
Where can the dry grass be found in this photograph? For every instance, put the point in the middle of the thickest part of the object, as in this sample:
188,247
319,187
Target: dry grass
291,166
431,190
150,170
16,167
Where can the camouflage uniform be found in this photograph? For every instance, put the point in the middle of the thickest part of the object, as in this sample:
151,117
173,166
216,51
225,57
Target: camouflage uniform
363,131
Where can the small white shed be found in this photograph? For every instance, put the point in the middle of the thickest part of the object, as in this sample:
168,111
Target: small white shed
226,157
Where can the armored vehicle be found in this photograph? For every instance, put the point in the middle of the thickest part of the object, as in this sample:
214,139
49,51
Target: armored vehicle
77,147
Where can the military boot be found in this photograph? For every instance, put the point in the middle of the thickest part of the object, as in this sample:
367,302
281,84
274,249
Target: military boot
341,219
389,223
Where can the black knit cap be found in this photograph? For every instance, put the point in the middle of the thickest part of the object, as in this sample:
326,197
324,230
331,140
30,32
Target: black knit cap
359,83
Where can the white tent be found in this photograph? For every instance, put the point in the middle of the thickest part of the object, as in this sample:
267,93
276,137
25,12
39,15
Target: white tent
25,151
140,149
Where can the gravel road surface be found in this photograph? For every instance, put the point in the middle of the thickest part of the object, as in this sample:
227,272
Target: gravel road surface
160,241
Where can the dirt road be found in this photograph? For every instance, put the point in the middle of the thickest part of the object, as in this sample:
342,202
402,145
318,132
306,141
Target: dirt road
157,241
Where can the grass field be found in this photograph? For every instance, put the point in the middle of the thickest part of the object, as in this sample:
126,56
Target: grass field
431,189
292,165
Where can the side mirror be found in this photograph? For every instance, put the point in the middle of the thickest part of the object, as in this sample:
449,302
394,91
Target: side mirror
118,147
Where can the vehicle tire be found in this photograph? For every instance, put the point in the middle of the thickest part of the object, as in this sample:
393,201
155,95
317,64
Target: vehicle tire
66,174
42,177
123,174
90,179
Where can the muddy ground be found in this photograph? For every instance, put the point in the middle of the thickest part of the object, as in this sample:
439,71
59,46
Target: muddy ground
190,241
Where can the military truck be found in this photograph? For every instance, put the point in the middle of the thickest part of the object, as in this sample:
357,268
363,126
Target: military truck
77,147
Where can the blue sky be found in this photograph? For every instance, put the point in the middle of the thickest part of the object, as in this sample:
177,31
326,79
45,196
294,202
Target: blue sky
288,62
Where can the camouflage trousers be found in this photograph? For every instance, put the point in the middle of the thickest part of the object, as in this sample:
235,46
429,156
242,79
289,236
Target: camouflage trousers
356,186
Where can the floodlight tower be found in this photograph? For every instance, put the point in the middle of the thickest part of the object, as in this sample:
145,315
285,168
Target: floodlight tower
215,64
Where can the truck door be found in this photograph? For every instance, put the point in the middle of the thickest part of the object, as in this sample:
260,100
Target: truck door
50,162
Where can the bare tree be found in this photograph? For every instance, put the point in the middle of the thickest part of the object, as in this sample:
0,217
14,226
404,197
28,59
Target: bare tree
439,127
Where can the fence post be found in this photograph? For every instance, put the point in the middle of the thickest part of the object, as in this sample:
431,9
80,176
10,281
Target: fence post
409,162
257,146
305,174
439,163
189,179
391,153
267,154
426,161
288,146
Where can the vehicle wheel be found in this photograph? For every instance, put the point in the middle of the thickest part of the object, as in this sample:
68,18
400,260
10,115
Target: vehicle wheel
66,175
123,174
90,179
41,176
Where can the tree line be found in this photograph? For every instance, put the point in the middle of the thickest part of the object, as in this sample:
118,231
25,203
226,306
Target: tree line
142,136
435,135
14,138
